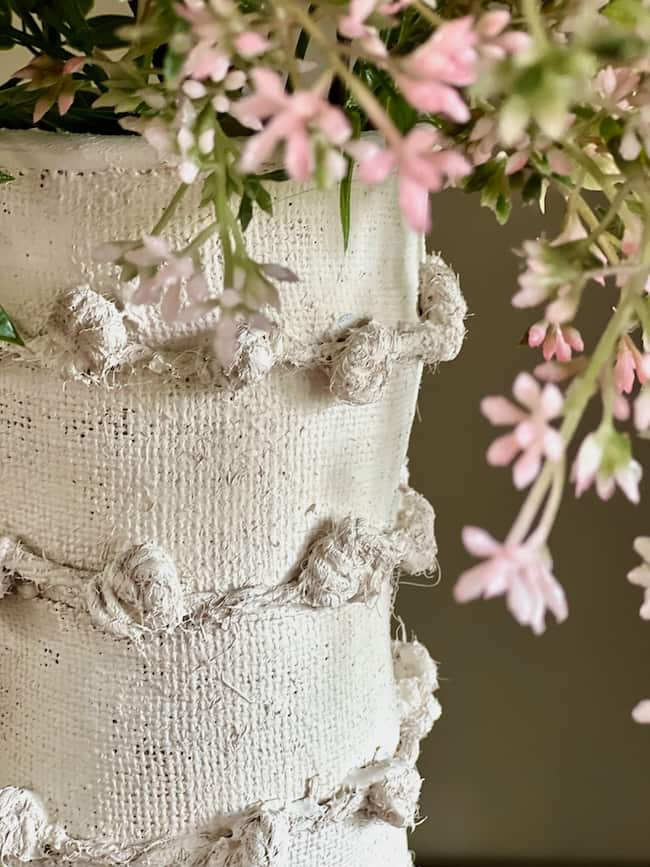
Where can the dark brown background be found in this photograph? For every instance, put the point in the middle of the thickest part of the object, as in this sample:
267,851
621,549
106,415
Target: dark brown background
535,755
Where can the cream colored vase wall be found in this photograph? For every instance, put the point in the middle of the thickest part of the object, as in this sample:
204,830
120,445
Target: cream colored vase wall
176,686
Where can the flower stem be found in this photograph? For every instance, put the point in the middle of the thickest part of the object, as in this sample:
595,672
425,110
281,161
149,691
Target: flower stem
553,503
535,22
576,403
169,211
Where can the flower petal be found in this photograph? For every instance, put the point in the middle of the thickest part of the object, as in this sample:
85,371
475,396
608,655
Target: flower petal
479,542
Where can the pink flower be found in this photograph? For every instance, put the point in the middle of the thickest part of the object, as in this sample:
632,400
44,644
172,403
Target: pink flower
56,81
614,84
520,572
631,244
553,371
163,277
484,141
353,25
428,77
532,435
538,279
422,165
640,575
293,119
251,44
630,365
495,42
642,410
604,457
641,712
556,340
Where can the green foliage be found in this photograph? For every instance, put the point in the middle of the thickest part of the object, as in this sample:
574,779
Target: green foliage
491,181
8,331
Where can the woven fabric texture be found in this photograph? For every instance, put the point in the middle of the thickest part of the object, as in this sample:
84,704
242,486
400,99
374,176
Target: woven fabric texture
126,742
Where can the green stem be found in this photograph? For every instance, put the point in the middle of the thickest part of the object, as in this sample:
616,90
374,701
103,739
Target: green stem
575,405
200,239
592,221
535,22
592,168
169,211
553,503
611,213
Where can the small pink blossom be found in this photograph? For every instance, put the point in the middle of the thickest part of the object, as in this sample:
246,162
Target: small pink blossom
559,341
554,371
291,118
640,575
484,141
532,435
641,713
642,410
423,166
56,81
429,76
631,244
630,365
614,85
251,44
604,458
353,26
537,281
621,408
520,572
165,278
495,41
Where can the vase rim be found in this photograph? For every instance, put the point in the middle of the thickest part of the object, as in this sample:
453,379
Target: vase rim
77,152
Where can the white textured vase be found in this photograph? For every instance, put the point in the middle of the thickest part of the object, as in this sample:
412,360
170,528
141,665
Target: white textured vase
198,569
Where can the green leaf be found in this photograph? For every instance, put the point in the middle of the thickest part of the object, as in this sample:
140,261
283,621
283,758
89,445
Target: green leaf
103,30
245,213
8,331
276,175
502,209
263,198
345,195
610,128
345,190
5,177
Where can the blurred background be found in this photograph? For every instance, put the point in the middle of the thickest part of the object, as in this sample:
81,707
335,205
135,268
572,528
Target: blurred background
536,756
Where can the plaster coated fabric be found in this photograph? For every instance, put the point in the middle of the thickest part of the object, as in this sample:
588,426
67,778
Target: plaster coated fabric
126,743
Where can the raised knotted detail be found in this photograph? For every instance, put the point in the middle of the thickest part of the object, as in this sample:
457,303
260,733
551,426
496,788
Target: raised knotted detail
260,840
351,561
254,355
85,334
415,530
86,337
140,591
395,798
386,790
360,368
25,831
416,676
136,592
